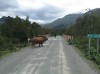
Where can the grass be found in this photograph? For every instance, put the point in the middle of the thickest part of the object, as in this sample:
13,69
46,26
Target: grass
15,49
4,53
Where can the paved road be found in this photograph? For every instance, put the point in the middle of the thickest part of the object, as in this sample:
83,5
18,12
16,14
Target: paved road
56,57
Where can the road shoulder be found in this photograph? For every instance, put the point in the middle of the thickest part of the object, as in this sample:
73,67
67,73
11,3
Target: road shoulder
90,63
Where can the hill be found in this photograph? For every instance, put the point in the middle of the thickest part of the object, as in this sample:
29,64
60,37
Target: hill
89,23
65,21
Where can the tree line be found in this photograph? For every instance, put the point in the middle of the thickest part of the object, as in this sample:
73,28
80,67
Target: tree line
16,31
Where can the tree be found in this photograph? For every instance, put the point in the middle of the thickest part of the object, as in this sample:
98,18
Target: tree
35,29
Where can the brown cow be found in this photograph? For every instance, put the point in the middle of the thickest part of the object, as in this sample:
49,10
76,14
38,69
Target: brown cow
38,40
44,37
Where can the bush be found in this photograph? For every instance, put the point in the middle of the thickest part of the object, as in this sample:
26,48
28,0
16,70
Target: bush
2,40
70,42
97,60
82,44
6,44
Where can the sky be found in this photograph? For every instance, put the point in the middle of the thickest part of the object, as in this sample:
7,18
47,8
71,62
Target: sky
44,11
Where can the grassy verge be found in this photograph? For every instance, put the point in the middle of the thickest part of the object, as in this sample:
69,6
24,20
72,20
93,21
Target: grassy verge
16,47
4,53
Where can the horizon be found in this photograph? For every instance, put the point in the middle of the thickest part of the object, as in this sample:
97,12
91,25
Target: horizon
79,12
43,11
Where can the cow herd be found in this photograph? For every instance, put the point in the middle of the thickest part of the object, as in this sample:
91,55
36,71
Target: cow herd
40,39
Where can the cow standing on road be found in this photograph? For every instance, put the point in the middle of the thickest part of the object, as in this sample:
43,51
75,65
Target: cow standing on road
38,40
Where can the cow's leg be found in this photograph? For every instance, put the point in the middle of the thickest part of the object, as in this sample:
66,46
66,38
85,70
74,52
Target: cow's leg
33,44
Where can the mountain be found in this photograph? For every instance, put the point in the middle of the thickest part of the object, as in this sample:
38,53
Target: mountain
65,21
94,12
89,23
3,19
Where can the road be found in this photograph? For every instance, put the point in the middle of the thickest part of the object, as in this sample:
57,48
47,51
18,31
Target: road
56,57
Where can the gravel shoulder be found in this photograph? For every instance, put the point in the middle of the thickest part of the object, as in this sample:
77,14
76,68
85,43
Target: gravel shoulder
89,62
76,62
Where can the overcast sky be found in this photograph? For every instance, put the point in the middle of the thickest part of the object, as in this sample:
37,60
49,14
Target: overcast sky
44,11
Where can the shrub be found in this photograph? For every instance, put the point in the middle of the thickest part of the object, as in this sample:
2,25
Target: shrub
97,60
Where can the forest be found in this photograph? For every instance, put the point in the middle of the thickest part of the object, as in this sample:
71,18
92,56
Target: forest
14,33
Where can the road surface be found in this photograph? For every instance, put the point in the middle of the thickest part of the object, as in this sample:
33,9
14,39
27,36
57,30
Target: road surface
56,57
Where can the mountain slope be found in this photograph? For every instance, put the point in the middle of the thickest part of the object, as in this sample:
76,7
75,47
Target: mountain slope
3,19
65,21
88,24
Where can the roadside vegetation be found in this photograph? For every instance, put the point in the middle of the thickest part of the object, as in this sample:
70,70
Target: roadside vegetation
88,24
82,44
14,33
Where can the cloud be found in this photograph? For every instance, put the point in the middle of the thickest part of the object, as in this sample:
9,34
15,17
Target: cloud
44,10
46,13
5,5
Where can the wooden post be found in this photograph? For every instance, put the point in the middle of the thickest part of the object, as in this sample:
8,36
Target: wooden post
89,45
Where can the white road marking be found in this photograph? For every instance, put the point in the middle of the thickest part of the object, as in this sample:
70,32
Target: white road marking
63,67
37,71
28,69
42,62
43,58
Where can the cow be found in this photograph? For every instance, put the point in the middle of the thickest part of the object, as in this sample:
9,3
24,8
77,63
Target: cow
38,40
44,37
